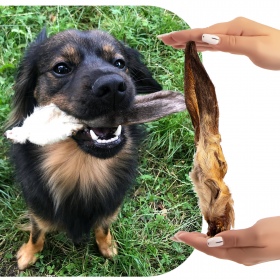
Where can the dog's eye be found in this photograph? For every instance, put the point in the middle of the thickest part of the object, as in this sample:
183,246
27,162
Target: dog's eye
62,69
119,63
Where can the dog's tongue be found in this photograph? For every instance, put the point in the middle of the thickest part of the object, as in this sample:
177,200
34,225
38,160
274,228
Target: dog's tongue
146,108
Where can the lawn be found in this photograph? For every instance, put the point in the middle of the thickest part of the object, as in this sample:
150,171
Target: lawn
162,201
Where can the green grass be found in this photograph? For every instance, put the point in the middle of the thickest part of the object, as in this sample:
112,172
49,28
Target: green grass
162,201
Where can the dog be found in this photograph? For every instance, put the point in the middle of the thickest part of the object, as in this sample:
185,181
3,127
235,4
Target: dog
78,184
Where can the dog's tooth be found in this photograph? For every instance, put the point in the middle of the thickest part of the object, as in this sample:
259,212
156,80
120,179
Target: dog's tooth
93,135
103,141
118,131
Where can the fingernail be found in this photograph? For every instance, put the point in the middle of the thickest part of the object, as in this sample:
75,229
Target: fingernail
162,35
215,241
175,238
210,39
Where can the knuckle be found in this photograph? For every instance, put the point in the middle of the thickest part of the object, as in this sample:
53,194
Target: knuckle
231,40
239,20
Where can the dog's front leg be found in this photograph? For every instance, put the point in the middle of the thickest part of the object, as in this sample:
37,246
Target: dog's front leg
27,254
106,245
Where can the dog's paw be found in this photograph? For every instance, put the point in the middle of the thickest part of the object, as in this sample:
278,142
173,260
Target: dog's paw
25,257
17,135
108,251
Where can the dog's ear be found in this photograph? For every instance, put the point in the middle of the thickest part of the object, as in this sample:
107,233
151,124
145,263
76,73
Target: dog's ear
141,75
23,99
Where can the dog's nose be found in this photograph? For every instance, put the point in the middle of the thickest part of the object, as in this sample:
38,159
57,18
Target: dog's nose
111,88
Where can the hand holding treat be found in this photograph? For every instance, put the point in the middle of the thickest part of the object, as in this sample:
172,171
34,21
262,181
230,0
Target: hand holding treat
210,165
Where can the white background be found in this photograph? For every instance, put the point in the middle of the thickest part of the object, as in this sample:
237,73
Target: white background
249,101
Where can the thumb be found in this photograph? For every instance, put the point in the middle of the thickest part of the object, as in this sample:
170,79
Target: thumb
230,43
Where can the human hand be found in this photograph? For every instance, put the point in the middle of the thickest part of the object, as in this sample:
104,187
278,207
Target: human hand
260,43
254,245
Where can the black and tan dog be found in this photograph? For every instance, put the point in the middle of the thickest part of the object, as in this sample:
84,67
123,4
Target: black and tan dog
78,184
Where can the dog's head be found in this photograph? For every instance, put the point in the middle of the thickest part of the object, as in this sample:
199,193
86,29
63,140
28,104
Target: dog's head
87,74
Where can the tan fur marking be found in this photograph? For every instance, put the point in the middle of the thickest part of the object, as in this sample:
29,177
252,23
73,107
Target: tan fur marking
108,48
26,255
68,53
106,245
108,52
65,165
70,50
59,99
44,225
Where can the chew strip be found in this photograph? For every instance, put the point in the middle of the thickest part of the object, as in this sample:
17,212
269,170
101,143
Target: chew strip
209,167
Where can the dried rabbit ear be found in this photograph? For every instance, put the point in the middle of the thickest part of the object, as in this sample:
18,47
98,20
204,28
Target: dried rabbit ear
209,166
146,108
46,125
151,107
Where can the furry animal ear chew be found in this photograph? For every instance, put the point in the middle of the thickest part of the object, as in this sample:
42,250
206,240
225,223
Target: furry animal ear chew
209,167
48,124
146,108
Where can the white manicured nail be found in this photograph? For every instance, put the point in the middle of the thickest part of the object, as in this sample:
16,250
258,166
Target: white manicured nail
215,241
210,39
162,35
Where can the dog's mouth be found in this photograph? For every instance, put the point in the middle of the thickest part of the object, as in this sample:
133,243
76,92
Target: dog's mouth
106,135
102,142
100,136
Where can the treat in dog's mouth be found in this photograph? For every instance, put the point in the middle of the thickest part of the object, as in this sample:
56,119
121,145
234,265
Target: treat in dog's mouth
101,137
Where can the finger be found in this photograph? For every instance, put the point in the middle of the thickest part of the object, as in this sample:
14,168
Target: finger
237,238
239,27
179,46
194,239
243,255
236,44
167,39
227,43
199,242
234,27
199,46
181,37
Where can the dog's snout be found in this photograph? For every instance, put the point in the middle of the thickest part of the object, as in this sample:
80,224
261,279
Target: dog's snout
111,88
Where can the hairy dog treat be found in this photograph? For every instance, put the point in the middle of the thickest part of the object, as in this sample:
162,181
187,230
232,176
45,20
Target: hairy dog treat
209,167
48,124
